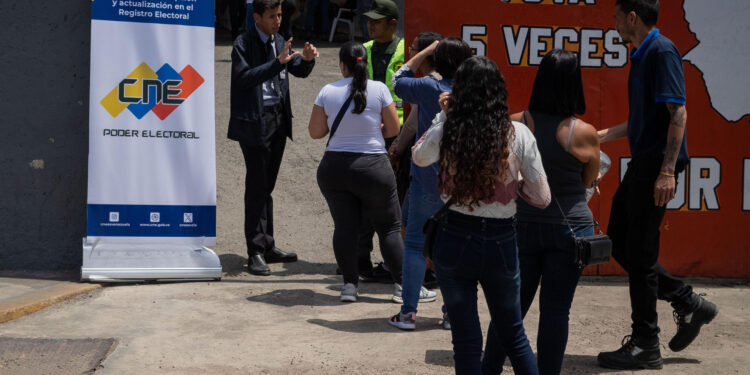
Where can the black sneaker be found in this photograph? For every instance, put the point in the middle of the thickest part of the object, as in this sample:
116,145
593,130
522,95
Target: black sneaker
430,280
689,324
632,356
378,274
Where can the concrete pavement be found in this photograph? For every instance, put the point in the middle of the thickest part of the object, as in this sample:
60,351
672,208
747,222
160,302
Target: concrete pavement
23,293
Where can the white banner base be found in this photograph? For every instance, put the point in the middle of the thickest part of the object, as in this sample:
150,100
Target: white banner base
128,262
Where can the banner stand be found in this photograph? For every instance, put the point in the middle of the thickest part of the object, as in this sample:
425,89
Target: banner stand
151,202
128,262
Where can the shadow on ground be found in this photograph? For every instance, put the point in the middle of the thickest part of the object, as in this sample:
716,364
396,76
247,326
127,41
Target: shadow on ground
305,297
438,357
372,325
587,364
235,265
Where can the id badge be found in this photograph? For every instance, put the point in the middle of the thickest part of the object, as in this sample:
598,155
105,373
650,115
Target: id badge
282,74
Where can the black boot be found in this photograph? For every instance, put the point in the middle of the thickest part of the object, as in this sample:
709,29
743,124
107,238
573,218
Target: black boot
689,323
633,355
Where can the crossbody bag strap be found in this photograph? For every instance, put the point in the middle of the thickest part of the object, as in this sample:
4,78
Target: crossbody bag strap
338,118
445,207
565,217
596,223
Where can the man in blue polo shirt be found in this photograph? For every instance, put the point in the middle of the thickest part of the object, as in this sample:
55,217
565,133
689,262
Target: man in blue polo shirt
656,134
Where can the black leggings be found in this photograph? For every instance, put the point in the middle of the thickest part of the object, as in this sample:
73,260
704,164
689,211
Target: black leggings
359,185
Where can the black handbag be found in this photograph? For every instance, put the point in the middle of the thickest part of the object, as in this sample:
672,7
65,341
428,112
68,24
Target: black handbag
594,249
430,229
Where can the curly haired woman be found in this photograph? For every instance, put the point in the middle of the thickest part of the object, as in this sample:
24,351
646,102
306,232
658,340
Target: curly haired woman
480,153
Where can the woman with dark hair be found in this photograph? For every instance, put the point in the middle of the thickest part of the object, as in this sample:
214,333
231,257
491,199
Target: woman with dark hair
570,154
355,175
400,150
481,154
424,199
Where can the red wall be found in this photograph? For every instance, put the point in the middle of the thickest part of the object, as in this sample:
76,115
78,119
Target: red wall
706,235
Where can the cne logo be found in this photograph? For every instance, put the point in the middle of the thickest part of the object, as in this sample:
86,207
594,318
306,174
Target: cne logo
144,90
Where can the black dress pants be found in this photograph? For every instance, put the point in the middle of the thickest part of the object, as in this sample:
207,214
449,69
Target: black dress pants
366,232
634,229
358,186
262,164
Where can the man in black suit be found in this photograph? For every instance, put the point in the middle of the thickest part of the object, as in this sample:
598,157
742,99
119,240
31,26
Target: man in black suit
261,120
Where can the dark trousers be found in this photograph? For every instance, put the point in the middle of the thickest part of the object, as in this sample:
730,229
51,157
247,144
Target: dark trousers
634,229
360,186
545,252
471,250
366,230
262,164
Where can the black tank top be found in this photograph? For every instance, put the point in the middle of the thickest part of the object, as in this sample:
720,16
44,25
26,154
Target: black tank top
564,175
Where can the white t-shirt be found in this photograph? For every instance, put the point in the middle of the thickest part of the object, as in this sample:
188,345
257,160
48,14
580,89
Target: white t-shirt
356,132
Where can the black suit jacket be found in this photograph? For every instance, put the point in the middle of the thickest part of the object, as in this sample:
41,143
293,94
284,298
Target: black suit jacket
249,70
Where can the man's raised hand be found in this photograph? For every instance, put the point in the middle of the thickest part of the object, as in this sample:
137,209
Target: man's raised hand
284,56
309,53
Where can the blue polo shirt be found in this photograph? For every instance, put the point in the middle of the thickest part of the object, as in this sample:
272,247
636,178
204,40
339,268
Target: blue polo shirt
656,78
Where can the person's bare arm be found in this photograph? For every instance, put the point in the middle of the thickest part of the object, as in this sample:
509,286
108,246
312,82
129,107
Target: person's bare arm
584,146
614,133
518,117
415,62
664,188
401,143
391,123
318,126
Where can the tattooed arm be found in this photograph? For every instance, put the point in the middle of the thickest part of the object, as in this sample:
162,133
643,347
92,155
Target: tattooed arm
614,133
664,188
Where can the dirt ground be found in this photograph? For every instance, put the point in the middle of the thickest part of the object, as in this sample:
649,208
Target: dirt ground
292,322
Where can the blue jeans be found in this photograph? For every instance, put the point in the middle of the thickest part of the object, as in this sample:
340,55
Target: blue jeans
545,253
470,250
423,203
312,7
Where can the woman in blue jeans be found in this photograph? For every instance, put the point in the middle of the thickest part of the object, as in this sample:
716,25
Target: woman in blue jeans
570,154
481,153
424,199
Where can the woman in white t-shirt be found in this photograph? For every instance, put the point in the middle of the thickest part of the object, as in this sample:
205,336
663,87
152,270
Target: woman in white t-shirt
355,175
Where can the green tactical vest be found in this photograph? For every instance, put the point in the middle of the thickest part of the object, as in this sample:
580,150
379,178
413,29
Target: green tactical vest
397,60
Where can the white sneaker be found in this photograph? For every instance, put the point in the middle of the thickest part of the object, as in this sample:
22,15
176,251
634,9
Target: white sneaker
425,295
349,293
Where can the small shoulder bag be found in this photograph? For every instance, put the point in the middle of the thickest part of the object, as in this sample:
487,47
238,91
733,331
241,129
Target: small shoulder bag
430,229
594,249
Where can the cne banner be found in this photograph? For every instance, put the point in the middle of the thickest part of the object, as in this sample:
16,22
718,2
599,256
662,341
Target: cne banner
152,160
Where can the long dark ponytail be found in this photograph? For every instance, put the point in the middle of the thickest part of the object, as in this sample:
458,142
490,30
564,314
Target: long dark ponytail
354,57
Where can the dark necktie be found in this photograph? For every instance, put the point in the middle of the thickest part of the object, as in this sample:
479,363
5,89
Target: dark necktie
271,55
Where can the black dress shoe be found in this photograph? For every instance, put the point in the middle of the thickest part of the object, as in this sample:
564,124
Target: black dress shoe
257,265
277,255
